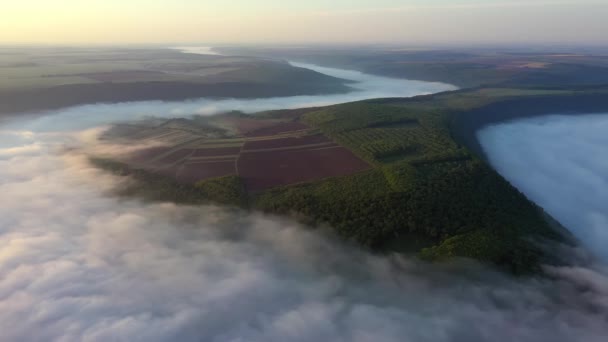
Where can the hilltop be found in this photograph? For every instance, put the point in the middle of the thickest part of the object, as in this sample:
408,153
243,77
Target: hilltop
402,175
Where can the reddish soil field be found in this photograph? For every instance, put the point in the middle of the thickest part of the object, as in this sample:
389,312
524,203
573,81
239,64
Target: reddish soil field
279,128
286,142
176,156
170,171
265,170
292,113
192,173
216,152
246,125
148,153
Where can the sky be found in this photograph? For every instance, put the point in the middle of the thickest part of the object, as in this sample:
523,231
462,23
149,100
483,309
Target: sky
311,21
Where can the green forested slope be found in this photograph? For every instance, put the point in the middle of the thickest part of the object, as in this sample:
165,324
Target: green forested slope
426,191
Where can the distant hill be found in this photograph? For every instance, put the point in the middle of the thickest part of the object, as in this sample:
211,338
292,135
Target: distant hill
465,69
43,79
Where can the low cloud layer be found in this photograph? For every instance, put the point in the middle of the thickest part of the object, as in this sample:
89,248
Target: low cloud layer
561,163
79,265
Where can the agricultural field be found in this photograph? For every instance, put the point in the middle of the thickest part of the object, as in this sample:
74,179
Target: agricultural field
263,153
263,169
464,68
394,133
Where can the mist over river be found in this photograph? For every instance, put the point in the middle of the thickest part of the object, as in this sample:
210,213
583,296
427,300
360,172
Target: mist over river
78,264
364,87
561,163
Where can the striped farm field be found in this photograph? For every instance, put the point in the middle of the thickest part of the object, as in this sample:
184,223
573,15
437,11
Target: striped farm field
267,153
216,152
280,128
265,170
286,142
175,156
195,172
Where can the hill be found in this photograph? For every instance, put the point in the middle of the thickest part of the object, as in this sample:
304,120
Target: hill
37,79
468,68
403,175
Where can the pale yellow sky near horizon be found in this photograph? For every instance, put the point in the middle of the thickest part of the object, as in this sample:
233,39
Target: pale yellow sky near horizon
313,21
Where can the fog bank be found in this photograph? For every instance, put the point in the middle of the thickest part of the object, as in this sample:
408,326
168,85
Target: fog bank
77,264
561,163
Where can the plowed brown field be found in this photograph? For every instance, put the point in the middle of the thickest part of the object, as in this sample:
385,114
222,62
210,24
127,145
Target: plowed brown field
265,170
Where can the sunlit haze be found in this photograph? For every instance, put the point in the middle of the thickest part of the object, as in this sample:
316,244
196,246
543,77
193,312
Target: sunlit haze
315,21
